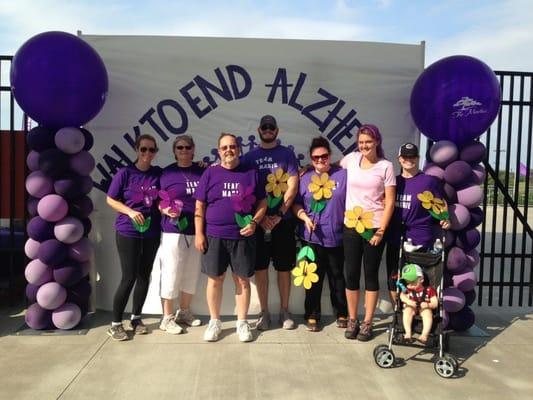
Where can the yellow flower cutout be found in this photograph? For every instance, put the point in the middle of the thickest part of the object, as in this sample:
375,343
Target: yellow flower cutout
359,219
277,182
305,272
430,202
321,186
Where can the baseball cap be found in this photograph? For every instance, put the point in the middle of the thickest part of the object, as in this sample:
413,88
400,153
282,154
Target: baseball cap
408,150
411,271
268,119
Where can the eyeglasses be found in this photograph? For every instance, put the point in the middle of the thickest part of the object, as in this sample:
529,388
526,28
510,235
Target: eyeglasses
318,157
150,149
183,147
268,127
229,146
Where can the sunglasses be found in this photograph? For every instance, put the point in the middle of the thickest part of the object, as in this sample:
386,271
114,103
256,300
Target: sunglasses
268,127
183,147
230,146
318,157
150,149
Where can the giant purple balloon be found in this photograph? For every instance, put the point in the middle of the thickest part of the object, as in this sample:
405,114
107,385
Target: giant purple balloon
67,316
453,299
69,230
443,153
70,140
461,320
51,295
59,80
465,281
41,138
52,208
52,252
473,153
459,216
468,239
456,98
37,273
40,230
82,163
456,261
37,317
39,185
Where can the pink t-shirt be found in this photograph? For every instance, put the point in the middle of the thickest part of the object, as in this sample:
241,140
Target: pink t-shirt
366,187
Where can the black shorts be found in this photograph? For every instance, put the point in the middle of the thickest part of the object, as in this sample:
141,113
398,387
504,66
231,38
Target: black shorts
281,249
239,254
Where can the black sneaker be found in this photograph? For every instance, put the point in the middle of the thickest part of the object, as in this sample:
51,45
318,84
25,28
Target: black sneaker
352,329
365,333
117,333
138,326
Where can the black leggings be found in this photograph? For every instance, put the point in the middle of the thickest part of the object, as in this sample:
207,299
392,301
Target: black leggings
393,259
136,260
357,253
329,262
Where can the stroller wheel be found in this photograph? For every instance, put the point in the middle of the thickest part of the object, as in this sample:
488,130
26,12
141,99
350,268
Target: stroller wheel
384,357
446,366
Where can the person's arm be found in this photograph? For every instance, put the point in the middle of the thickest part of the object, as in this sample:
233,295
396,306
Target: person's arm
288,199
300,213
433,302
200,241
124,209
404,297
260,212
390,195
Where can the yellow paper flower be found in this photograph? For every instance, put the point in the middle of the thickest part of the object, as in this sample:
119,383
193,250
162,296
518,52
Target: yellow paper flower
430,202
359,219
277,182
305,272
321,186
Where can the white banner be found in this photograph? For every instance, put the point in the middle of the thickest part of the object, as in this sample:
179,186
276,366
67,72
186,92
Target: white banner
168,86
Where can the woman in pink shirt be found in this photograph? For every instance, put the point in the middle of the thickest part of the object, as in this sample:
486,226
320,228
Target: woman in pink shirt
370,193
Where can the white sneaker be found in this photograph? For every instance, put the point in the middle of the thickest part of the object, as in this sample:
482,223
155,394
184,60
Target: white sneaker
244,332
187,317
169,326
213,330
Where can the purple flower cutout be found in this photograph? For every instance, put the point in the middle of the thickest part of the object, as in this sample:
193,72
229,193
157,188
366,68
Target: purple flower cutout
144,192
168,199
244,200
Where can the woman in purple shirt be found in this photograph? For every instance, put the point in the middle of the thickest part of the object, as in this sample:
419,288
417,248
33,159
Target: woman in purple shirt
133,194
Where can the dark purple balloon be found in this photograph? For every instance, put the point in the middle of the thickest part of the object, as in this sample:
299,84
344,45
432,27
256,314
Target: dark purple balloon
479,174
458,173
59,80
81,207
456,260
79,294
472,258
473,153
81,250
82,163
450,238
41,138
89,139
40,230
73,187
32,160
87,226
461,320
470,297
31,292
68,275
32,206
53,162
52,252
38,318
468,239
451,194
456,98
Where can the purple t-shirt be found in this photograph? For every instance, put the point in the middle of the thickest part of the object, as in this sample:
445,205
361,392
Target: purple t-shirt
132,186
183,181
330,221
216,187
267,161
419,224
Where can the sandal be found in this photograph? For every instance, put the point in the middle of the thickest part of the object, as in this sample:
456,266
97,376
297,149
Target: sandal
408,340
342,322
312,325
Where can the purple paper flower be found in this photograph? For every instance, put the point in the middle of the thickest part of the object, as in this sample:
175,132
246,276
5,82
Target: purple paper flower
144,192
244,200
168,199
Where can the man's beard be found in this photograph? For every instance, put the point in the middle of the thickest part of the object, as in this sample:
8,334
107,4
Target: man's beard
268,139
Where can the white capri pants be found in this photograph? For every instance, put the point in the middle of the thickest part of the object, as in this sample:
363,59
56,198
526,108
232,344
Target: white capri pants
180,265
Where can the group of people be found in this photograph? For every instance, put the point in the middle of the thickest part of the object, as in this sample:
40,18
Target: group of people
247,211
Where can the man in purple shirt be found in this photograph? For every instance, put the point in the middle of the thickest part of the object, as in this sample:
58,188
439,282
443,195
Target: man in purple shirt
226,197
278,174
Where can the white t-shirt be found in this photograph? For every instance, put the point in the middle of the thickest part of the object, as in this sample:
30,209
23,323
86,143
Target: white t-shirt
366,187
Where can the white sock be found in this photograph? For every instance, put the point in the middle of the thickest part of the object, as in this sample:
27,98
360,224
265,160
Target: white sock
135,317
115,324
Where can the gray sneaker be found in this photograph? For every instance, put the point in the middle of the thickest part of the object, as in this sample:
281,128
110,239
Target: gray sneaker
186,317
285,320
138,326
117,333
169,326
263,323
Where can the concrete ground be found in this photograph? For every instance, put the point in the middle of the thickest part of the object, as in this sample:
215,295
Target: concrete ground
276,365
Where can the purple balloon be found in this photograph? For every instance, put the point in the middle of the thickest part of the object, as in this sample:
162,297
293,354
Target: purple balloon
32,160
450,192
479,174
52,208
73,187
472,258
37,273
31,248
32,206
39,185
68,275
31,292
69,230
462,320
51,295
82,163
473,153
86,268
67,316
450,238
38,318
87,226
53,162
40,230
59,80
81,207
459,216
70,140
445,319
52,252
470,196
465,281
81,251
468,239
41,138
89,139
434,170
453,299
79,294
456,98
476,218
458,173
456,260
470,297
443,153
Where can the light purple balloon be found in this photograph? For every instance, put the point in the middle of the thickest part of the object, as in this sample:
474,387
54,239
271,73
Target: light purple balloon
468,239
82,163
39,185
456,261
38,318
69,230
465,281
470,196
38,273
458,173
52,208
473,153
32,160
67,316
51,295
70,140
472,258
443,152
81,250
479,174
453,299
31,248
459,216
434,170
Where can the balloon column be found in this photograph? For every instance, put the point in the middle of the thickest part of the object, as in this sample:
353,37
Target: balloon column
61,83
453,102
